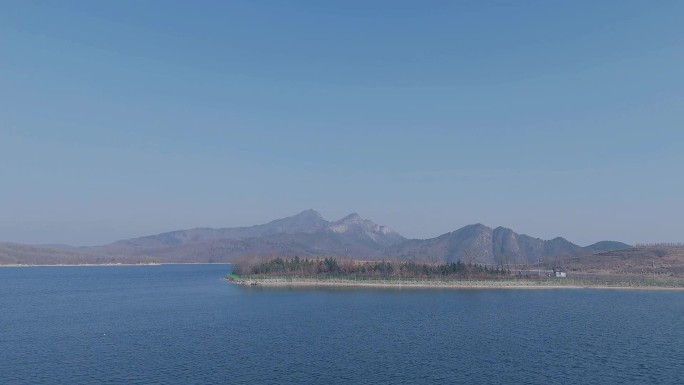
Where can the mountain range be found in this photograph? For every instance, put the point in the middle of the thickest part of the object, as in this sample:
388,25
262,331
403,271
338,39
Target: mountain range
480,244
308,234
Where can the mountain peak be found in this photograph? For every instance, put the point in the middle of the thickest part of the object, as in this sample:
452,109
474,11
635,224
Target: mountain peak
474,228
351,218
355,226
310,213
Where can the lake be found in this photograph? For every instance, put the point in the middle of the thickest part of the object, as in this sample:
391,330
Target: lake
183,324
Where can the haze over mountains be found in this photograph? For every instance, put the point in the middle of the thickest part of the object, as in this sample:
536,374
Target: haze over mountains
308,234
305,234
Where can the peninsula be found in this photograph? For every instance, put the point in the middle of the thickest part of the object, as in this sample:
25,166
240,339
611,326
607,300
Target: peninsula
297,272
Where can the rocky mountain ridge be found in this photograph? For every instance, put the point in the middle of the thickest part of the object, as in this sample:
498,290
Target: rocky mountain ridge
308,234
480,244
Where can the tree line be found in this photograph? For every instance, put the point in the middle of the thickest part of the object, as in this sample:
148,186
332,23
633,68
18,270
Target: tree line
331,267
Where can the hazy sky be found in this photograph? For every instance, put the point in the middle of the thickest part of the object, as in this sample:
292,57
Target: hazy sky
127,118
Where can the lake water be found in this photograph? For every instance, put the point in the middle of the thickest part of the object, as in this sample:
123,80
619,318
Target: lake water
182,324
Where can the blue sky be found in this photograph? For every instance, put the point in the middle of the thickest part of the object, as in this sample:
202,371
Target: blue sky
124,118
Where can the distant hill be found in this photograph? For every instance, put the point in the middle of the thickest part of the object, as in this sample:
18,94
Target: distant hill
308,221
304,234
607,246
18,254
308,234
644,260
481,244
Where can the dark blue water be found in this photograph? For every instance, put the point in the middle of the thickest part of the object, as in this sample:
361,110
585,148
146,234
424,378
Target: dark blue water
185,325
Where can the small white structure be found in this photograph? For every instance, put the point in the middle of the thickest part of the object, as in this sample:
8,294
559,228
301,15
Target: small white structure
559,272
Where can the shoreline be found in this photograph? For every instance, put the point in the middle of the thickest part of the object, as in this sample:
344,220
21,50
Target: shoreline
117,264
279,282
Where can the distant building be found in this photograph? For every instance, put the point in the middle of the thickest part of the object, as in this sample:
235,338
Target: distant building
559,272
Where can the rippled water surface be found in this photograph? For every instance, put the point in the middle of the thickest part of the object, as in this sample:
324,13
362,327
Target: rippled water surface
182,324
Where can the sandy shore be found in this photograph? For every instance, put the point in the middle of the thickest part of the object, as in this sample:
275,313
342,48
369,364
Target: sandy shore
450,284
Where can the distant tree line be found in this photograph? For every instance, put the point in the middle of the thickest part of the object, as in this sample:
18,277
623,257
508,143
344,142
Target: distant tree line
661,244
377,269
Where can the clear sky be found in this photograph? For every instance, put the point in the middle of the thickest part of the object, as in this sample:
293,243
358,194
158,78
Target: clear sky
554,118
